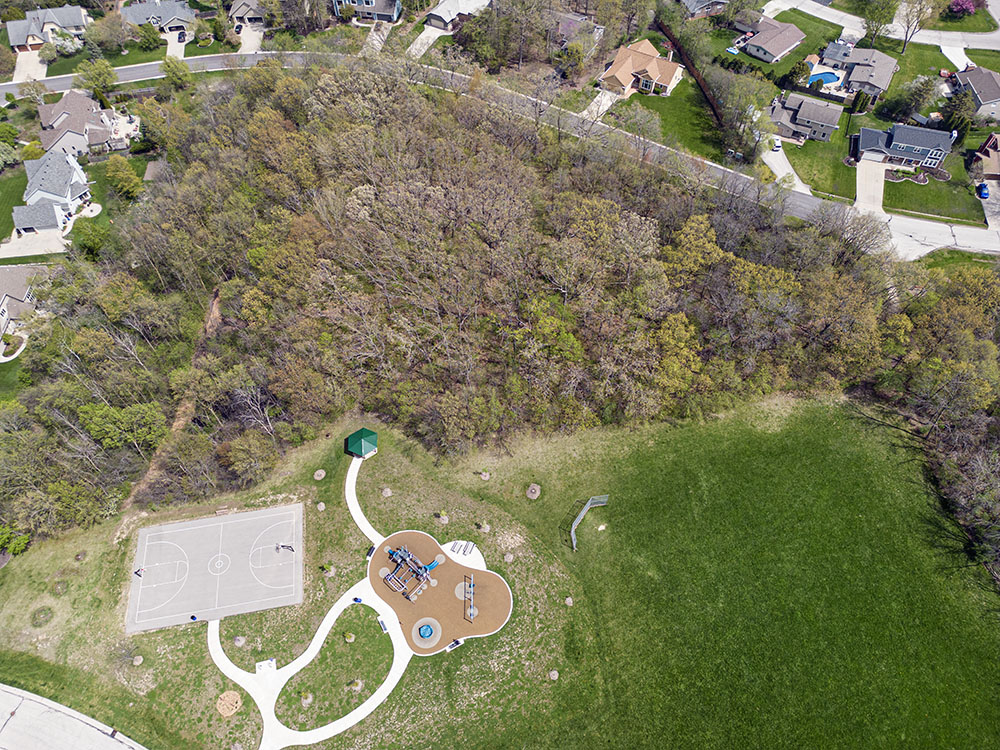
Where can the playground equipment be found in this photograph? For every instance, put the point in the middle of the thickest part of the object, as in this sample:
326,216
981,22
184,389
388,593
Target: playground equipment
426,631
469,610
409,575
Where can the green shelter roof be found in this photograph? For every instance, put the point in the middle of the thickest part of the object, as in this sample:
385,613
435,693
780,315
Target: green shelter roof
362,443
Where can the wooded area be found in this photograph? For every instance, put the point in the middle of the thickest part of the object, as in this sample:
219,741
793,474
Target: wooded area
464,274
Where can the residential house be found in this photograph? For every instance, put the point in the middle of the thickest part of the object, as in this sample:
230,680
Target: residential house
772,40
801,118
984,86
165,15
868,70
16,295
246,11
704,8
905,145
640,66
450,14
56,187
989,156
569,28
76,125
40,26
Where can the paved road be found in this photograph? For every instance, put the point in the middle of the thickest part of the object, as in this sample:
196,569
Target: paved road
30,722
913,237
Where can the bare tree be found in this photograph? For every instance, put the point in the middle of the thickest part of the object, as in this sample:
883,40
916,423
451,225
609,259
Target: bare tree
915,14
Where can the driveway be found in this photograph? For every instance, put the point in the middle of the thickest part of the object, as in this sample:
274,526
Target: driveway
423,42
601,104
29,67
778,163
174,48
376,39
871,184
36,243
991,206
251,37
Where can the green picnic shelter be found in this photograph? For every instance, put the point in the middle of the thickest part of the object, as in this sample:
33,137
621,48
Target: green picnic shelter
363,443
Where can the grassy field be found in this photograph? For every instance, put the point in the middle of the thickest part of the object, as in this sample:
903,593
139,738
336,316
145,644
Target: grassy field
980,21
215,48
946,260
12,185
953,199
576,100
685,119
9,385
988,58
821,165
22,259
99,189
778,577
133,56
919,60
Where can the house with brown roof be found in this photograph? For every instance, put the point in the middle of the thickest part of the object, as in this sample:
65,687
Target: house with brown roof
76,125
984,85
640,66
772,40
989,156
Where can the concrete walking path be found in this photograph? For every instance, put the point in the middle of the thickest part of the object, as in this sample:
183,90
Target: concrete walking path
30,722
425,41
266,684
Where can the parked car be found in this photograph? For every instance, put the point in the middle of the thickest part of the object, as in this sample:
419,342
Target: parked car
181,36
984,190
239,28
777,144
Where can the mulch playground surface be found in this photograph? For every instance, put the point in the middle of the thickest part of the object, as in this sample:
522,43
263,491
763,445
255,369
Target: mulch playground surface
441,603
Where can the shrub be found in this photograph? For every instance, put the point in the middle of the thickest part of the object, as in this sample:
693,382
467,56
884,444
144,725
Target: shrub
48,52
962,8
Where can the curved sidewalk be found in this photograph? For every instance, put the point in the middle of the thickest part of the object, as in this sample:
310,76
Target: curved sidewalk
31,722
265,685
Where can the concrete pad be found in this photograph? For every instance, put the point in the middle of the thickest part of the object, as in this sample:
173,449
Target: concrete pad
870,186
214,567
251,37
29,67
991,206
174,48
28,721
601,104
38,243
424,42
957,57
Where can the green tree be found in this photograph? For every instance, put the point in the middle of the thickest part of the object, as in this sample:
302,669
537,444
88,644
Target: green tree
7,60
95,75
32,150
8,134
250,456
18,544
48,52
571,60
122,178
109,33
8,155
176,73
796,75
861,102
877,15
149,37
140,426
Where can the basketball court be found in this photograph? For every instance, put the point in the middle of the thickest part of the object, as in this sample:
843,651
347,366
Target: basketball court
211,568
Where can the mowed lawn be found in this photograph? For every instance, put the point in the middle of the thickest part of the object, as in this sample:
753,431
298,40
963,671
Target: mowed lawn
987,58
821,165
685,119
12,185
919,60
775,579
133,56
954,199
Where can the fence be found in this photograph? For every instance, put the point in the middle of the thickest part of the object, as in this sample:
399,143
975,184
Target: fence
576,514
695,74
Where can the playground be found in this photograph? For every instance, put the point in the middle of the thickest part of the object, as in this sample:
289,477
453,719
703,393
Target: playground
211,568
437,599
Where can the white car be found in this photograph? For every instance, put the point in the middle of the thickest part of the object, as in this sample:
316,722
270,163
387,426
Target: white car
777,145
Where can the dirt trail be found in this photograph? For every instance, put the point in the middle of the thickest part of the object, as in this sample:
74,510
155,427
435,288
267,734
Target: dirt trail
182,418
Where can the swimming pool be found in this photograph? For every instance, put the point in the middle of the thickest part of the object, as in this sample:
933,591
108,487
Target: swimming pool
826,77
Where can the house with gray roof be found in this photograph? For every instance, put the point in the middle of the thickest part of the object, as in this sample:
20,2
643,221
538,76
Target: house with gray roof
905,145
371,10
772,40
704,8
985,88
76,125
40,26
16,295
450,14
246,11
868,70
165,15
57,186
800,118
